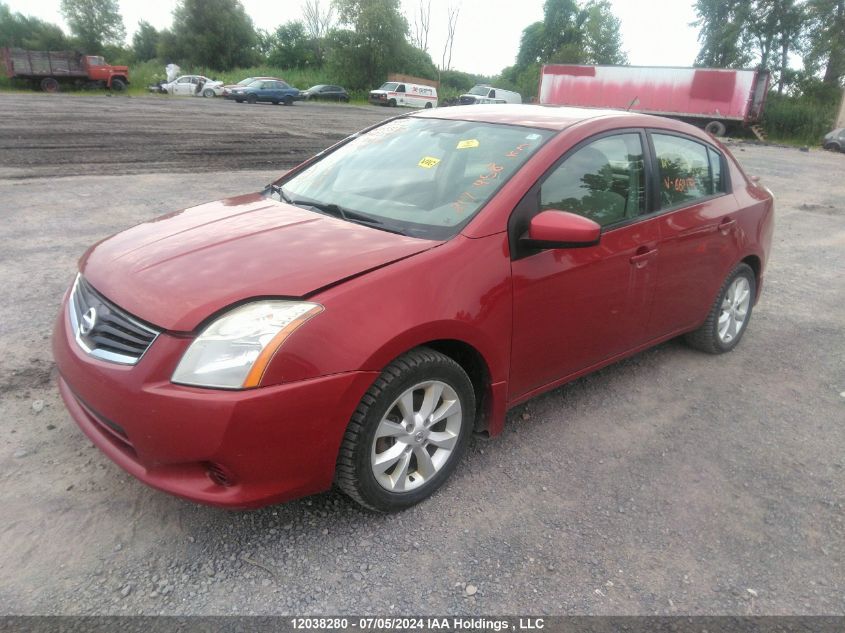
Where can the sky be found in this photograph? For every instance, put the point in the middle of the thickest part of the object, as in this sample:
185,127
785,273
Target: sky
487,33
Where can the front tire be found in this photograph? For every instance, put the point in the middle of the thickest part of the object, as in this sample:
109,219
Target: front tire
118,85
252,99
408,432
288,100
729,315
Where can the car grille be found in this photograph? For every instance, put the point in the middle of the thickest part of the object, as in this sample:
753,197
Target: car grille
104,330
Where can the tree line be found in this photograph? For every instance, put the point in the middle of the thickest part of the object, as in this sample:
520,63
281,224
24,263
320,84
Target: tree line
360,41
771,34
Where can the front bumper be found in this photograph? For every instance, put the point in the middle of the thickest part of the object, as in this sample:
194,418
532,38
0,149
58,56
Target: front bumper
265,445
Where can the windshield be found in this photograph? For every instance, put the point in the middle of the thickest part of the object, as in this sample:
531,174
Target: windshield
389,86
246,82
417,176
480,90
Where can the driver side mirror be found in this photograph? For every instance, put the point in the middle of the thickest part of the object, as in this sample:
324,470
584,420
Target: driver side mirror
561,229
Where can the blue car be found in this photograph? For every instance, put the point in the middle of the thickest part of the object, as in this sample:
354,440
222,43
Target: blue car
272,90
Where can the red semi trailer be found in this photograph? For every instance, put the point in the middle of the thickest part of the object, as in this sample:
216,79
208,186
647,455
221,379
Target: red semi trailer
706,97
49,69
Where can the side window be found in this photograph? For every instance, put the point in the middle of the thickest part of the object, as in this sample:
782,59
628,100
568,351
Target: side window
401,88
492,94
684,170
604,181
716,171
184,80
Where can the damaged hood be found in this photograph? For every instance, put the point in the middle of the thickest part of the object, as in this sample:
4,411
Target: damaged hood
177,270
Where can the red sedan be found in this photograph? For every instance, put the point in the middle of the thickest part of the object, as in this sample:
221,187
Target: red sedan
358,319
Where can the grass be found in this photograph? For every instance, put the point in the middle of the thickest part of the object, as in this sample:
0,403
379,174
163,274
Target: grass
798,120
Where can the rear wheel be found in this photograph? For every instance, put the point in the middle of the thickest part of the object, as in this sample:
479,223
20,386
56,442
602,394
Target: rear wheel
832,147
715,128
408,432
239,100
729,315
208,93
428,105
49,84
251,99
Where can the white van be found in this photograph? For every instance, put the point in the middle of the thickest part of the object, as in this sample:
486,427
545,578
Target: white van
488,94
400,93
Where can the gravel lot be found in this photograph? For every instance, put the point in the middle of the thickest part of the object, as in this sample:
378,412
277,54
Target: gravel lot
673,482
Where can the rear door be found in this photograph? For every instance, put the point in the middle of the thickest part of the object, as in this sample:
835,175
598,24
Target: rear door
698,239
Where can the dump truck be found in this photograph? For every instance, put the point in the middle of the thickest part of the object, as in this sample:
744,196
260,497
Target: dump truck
49,70
710,98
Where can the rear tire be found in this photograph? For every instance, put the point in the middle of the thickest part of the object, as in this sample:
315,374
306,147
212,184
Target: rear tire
208,93
832,147
408,432
50,84
729,315
428,105
715,128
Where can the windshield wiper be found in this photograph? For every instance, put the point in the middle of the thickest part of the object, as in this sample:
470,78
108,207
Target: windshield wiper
345,214
278,189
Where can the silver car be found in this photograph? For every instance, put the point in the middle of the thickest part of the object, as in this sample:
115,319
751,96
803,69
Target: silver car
835,140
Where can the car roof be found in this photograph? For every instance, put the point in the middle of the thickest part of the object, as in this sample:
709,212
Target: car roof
557,117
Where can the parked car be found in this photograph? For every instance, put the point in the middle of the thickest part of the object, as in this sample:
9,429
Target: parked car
835,140
245,82
190,86
487,94
397,93
275,91
324,91
358,319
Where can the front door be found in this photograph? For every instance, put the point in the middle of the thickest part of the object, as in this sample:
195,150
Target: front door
574,308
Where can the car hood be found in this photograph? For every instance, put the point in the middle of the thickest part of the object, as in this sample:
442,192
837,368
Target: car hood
177,270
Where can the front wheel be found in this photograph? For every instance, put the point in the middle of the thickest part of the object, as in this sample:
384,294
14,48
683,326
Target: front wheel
288,100
729,315
252,99
832,147
118,85
408,432
392,103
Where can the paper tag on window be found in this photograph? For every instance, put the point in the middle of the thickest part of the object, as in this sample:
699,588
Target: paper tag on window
468,143
428,162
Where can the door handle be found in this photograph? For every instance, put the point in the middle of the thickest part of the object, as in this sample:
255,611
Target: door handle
726,225
643,255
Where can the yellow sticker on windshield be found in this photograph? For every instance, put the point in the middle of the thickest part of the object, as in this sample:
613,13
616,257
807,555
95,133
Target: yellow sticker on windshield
468,143
428,162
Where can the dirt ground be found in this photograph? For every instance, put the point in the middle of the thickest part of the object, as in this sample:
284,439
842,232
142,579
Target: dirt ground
671,483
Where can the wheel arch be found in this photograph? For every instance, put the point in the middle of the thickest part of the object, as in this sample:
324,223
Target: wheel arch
756,264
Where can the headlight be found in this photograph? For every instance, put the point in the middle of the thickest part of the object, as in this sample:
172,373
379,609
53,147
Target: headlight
234,351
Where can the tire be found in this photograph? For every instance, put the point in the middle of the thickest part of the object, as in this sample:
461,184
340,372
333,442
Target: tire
288,100
715,128
50,84
832,147
239,100
428,105
118,85
252,99
208,93
392,103
275,102
730,303
378,427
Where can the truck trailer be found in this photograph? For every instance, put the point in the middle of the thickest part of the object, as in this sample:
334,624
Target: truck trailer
50,69
707,97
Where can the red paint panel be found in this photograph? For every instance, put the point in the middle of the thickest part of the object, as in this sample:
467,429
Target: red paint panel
717,85
576,71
